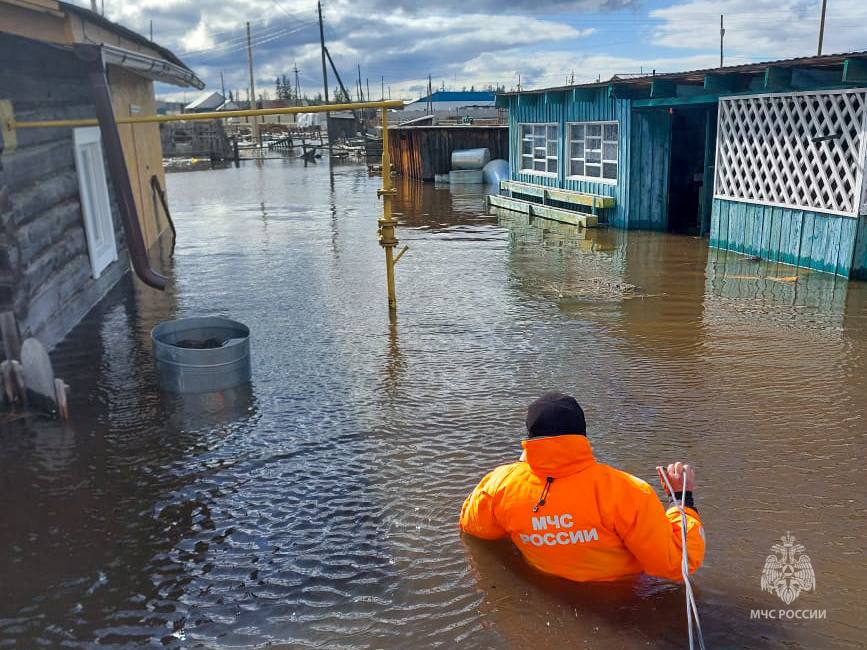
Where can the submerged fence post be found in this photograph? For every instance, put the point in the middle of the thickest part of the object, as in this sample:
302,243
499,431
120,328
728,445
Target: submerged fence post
387,223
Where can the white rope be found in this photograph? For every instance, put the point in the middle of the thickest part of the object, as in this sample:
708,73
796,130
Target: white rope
691,608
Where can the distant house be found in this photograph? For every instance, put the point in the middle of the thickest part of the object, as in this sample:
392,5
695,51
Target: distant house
449,100
450,107
76,204
766,159
207,101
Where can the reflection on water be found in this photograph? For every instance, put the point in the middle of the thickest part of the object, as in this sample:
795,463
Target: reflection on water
317,507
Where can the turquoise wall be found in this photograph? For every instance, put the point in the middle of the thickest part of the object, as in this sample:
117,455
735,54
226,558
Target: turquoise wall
650,158
859,258
813,240
642,183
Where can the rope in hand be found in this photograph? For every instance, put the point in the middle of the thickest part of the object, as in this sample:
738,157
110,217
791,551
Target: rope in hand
691,609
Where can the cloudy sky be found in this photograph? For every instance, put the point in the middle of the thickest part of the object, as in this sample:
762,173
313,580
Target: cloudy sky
463,44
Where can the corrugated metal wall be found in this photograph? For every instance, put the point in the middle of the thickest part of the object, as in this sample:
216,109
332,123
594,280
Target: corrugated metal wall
644,177
813,240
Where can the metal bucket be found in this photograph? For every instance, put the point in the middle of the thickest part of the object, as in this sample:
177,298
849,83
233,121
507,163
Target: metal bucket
222,362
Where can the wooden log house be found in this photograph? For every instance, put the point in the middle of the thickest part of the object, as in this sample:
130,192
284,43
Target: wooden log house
62,246
764,159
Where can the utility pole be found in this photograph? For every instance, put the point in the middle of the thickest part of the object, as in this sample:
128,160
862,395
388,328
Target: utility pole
367,79
297,87
256,135
222,85
382,88
822,26
324,72
93,7
519,82
152,31
430,94
722,33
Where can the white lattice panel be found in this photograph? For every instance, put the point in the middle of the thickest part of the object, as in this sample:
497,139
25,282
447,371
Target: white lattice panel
773,149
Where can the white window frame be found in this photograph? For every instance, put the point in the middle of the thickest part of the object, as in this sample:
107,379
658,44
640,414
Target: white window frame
544,126
95,204
573,157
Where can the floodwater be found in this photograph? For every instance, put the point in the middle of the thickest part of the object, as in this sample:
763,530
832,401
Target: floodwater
318,507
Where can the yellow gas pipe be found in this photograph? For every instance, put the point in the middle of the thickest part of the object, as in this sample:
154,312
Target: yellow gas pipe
387,223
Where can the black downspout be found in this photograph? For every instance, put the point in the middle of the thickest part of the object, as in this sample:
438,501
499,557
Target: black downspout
92,56
157,189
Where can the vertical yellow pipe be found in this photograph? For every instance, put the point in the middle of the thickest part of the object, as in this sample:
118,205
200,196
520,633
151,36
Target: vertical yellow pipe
387,223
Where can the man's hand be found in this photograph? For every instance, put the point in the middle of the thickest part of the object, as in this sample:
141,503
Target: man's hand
676,472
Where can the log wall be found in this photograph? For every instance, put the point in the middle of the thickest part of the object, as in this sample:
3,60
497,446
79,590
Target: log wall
45,272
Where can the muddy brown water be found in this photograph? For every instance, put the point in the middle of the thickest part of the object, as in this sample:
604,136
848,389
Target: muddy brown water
317,508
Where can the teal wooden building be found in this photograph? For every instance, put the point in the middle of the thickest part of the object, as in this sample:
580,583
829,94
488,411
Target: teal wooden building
765,159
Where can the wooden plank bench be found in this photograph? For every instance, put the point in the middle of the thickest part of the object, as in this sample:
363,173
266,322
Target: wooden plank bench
545,211
595,202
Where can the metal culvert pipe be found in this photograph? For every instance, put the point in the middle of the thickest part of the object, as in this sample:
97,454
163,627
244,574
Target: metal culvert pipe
470,158
203,354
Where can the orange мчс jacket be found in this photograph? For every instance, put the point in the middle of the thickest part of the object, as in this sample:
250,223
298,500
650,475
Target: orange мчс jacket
573,517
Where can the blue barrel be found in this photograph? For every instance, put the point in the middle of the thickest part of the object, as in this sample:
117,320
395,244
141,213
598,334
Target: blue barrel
202,354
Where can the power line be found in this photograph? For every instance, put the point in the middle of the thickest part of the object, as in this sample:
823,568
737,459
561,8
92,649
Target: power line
241,46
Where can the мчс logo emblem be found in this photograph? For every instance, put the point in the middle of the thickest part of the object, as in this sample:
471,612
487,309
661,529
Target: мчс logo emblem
788,570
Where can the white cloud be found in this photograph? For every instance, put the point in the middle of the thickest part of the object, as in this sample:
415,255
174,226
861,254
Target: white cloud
763,29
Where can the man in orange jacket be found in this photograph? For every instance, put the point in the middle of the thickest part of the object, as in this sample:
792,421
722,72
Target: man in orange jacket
576,518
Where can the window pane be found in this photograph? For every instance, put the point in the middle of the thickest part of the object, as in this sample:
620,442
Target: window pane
609,170
552,132
594,130
577,149
526,162
552,147
526,146
593,156
539,165
552,165
610,131
593,170
577,131
576,168
609,151
594,143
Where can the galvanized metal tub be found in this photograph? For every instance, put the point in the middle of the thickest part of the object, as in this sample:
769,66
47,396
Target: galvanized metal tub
184,369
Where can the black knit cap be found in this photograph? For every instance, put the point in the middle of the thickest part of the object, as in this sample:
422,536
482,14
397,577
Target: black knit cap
555,414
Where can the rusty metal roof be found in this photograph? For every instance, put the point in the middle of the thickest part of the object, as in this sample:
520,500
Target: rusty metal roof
697,76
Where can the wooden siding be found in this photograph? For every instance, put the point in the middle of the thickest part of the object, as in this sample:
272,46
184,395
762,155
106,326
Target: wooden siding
649,162
142,148
422,152
859,257
802,238
43,241
642,185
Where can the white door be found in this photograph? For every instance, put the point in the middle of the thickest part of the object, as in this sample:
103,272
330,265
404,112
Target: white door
95,204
